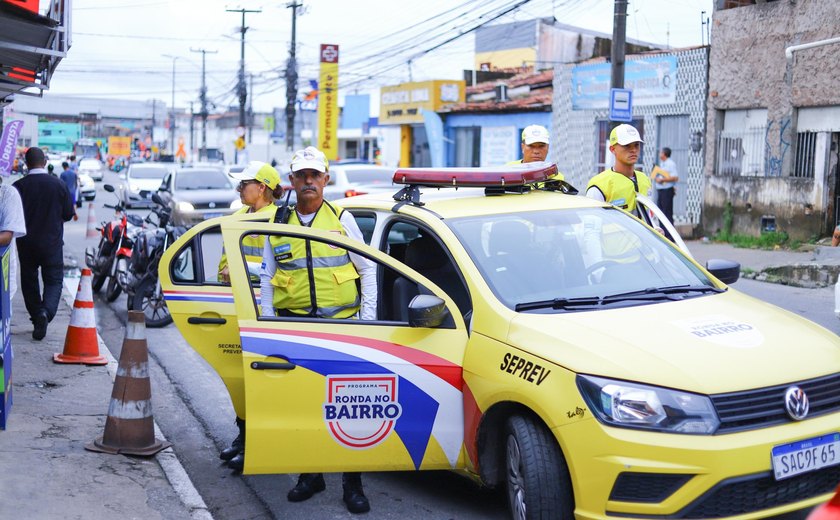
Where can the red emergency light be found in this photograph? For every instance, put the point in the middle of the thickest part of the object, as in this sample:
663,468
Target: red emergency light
505,176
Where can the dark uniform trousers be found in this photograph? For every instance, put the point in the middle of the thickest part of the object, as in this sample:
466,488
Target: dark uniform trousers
51,263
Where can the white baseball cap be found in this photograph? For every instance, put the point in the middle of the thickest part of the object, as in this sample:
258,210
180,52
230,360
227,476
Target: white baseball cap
535,134
624,135
310,158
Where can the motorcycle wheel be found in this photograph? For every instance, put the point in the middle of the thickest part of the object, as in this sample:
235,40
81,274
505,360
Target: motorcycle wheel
148,299
98,281
112,292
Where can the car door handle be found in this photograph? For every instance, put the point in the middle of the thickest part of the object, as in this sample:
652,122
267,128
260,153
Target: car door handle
194,320
265,365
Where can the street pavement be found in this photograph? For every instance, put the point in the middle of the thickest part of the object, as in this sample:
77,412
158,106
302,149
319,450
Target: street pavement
45,472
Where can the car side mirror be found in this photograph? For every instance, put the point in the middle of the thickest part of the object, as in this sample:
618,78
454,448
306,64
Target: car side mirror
427,311
726,271
109,188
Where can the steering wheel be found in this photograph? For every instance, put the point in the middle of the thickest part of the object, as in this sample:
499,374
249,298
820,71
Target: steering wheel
601,264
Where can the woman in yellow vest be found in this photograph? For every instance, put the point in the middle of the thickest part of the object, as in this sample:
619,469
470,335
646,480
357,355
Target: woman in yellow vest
259,186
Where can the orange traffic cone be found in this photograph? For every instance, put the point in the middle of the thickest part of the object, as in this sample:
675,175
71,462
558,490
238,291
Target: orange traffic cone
91,223
130,428
81,345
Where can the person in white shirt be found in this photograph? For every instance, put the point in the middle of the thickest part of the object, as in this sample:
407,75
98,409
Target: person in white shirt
12,226
302,278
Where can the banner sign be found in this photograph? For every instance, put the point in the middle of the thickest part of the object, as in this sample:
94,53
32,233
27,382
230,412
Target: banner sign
8,146
499,145
653,82
119,146
434,135
328,102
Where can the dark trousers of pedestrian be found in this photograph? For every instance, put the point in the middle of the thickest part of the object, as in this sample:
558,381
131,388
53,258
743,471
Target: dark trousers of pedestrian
665,201
51,265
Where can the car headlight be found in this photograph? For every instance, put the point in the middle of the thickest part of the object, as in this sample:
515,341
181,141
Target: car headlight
236,204
185,206
634,405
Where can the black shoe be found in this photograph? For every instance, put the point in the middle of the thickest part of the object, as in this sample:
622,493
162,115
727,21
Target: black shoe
354,495
40,321
237,463
308,484
238,444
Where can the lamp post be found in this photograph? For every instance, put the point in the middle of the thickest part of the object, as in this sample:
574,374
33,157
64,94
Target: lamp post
172,107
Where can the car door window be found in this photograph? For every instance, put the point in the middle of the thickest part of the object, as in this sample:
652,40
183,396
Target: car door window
366,222
197,263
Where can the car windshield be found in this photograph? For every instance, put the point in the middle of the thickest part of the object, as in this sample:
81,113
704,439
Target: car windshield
202,180
576,260
147,173
369,175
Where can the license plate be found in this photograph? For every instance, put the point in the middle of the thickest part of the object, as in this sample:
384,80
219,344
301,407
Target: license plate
800,457
208,216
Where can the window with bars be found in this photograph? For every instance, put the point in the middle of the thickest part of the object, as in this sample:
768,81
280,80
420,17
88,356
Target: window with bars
805,159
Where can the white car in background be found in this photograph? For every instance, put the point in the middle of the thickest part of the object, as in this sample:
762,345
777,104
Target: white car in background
92,167
87,188
141,180
349,180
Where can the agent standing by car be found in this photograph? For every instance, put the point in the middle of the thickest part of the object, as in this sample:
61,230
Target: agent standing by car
534,145
619,184
285,288
46,207
259,186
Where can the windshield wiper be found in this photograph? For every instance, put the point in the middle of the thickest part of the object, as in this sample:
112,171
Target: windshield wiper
660,292
559,303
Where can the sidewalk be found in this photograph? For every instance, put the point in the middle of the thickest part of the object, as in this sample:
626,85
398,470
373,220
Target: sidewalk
45,472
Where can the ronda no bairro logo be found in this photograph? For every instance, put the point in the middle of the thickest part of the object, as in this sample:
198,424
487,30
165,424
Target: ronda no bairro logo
361,410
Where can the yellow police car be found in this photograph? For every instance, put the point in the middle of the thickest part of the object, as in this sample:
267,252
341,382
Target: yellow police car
540,342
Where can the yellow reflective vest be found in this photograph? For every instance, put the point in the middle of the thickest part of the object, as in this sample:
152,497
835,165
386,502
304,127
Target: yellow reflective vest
619,190
252,245
314,278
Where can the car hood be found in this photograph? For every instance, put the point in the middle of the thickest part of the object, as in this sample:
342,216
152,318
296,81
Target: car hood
204,196
145,184
716,343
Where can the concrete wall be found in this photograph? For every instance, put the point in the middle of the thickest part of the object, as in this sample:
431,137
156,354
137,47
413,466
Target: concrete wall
748,69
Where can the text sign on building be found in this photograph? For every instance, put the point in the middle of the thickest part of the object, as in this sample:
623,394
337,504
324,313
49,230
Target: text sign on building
328,102
653,81
621,105
499,145
404,103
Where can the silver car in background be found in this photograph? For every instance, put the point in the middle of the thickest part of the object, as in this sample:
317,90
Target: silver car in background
140,181
198,194
349,180
92,167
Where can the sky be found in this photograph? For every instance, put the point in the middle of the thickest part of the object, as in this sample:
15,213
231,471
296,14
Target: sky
124,49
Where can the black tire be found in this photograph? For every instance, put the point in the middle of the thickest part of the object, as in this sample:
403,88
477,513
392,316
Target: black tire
98,281
149,300
537,478
113,291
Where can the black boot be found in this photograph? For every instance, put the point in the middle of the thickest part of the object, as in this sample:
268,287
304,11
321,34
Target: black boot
237,463
354,495
238,444
307,485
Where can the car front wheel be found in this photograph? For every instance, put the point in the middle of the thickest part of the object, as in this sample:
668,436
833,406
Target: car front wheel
538,482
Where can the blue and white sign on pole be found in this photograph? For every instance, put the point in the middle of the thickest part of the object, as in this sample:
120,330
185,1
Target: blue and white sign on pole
621,105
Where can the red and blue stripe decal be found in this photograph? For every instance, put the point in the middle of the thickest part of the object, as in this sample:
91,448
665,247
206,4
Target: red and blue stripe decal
196,296
429,386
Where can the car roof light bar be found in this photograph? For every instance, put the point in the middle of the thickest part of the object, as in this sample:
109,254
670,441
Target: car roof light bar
504,176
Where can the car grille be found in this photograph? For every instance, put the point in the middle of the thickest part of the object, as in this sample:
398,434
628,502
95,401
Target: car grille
757,492
646,487
766,406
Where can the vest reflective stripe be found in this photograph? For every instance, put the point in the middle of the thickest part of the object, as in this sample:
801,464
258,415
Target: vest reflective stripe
331,280
619,190
252,245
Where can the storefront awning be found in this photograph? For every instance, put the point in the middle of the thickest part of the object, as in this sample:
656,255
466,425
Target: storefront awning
31,47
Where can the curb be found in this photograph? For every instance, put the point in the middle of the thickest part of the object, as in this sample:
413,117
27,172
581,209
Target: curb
167,459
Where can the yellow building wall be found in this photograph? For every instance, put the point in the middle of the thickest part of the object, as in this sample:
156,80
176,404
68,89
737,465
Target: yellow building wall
405,146
404,103
506,58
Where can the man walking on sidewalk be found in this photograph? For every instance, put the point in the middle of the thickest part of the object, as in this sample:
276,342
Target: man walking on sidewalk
46,207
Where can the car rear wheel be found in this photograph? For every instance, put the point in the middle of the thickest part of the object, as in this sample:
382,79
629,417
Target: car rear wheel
538,482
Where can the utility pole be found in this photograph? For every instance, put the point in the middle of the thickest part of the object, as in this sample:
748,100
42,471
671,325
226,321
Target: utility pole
152,132
291,81
240,89
192,130
617,55
251,109
203,98
172,106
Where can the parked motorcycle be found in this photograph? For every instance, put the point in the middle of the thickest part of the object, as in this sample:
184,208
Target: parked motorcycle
114,248
142,276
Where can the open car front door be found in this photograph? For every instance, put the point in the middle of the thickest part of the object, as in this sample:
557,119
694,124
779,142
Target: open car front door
346,394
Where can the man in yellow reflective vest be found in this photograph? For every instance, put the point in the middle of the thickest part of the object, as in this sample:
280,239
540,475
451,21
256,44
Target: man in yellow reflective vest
618,185
535,142
309,278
